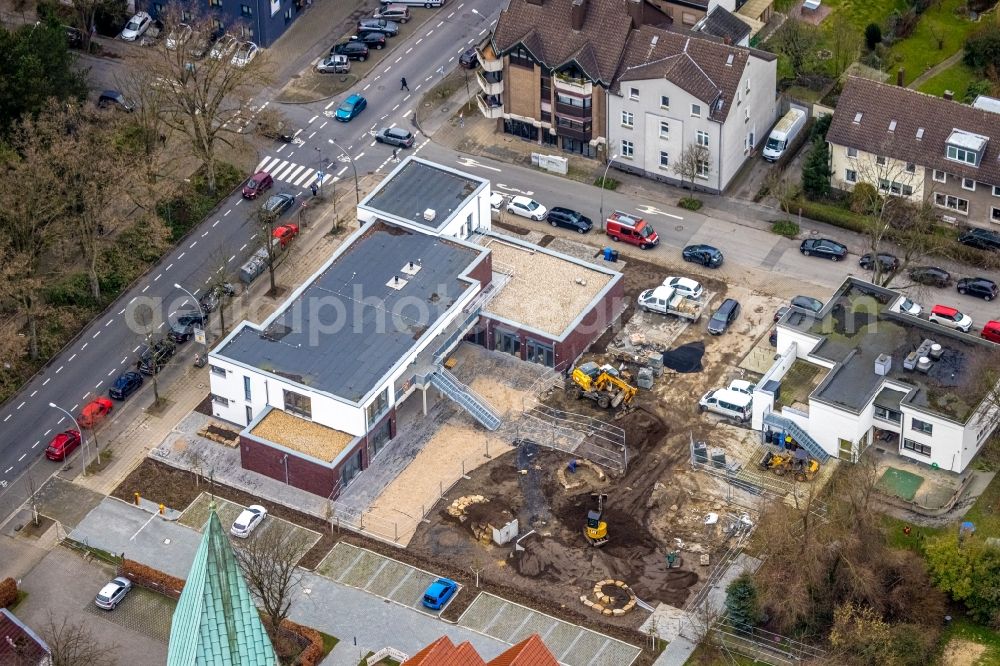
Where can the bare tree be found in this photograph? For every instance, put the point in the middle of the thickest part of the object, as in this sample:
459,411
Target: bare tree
693,162
845,42
71,644
268,562
85,17
798,41
265,230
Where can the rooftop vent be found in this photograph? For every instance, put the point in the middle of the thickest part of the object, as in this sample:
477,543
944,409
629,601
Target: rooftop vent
396,283
430,214
924,364
936,352
411,268
857,118
883,363
654,40
920,133
892,126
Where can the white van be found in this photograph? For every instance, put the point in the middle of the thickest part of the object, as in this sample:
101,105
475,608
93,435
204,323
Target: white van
735,405
783,134
742,386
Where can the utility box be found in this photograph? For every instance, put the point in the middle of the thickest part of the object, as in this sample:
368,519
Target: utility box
505,534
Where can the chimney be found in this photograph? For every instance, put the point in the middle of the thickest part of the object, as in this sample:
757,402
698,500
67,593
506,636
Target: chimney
948,95
634,9
899,77
578,13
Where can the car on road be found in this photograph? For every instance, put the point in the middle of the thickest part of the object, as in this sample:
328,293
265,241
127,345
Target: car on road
248,520
353,50
223,47
931,276
438,593
259,182
983,239
113,592
887,262
526,207
979,287
182,330
706,255
125,385
278,204
395,136
286,232
373,40
807,303
823,247
153,359
114,99
351,107
686,287
179,36
390,28
910,307
334,64
95,411
950,317
136,26
469,59
567,218
62,445
991,331
724,316
246,52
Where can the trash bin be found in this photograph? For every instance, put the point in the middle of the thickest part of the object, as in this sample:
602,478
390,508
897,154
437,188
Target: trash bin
610,254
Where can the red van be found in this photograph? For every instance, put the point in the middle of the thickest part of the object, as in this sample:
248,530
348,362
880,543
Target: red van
259,182
991,331
631,229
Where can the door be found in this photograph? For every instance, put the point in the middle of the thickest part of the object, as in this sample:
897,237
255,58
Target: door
351,467
846,450
249,414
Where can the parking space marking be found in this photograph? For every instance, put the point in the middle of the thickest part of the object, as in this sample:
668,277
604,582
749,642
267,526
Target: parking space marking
70,360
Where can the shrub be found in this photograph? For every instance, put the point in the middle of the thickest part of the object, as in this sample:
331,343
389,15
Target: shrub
8,592
314,651
786,228
816,170
607,183
151,578
863,198
982,48
742,603
873,36
690,203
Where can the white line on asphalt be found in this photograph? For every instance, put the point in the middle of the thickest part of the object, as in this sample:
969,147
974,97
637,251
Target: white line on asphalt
21,405
397,59
161,274
291,177
324,124
71,358
175,311
312,135
281,147
161,325
419,40
204,234
122,311
132,538
407,97
471,40
84,346
136,349
367,86
483,31
341,172
231,258
386,70
191,246
238,202
301,179
244,247
145,288
60,420
299,131
220,270
171,265
460,6
429,32
312,120
33,393
407,114
359,155
195,292
7,419
428,78
451,58
36,443
409,49
440,23
22,457
108,323
330,104
46,381
379,76
450,15
133,300
7,470
124,359
73,408
83,398
110,372
392,125
47,432
94,336
181,255
373,127
418,87
395,107
370,145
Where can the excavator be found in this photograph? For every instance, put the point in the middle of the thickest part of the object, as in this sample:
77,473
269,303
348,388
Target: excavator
596,529
603,385
799,463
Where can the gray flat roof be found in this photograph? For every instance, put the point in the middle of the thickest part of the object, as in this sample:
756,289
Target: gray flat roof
346,329
416,186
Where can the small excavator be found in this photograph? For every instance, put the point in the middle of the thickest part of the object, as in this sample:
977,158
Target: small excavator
596,529
603,385
798,462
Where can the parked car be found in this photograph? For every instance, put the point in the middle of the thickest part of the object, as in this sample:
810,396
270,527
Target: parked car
248,520
136,26
469,59
62,445
181,33
204,42
351,107
706,255
334,64
373,40
246,52
823,247
734,404
353,50
978,287
390,28
125,385
113,592
94,412
780,312
395,136
725,315
286,232
526,207
983,239
393,12
209,302
259,182
807,303
223,47
950,317
910,307
114,99
931,276
686,287
496,202
887,262
153,359
569,219
182,330
991,331
278,204
439,592
742,386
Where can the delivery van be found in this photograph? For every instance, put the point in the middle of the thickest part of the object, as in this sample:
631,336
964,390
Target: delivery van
784,134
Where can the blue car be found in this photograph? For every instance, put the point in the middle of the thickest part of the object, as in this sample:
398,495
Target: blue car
439,592
126,384
351,107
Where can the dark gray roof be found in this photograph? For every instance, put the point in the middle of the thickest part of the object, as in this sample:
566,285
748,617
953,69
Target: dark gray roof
889,398
724,24
346,329
416,186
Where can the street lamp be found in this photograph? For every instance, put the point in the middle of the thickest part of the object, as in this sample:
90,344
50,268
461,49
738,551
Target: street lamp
79,430
204,316
357,189
604,183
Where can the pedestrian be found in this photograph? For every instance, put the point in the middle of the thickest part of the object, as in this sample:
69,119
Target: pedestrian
403,85
395,153
314,189
461,120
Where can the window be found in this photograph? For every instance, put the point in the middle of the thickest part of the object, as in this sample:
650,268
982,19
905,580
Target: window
664,102
852,153
851,176
214,3
747,87
962,155
628,119
995,215
887,414
296,403
922,426
696,110
880,160
911,167
665,161
893,187
572,100
536,352
703,168
702,138
520,57
969,184
246,388
746,115
219,400
939,176
186,16
246,10
508,343
157,8
996,190
633,93
916,447
664,129
217,371
628,149
951,202
377,407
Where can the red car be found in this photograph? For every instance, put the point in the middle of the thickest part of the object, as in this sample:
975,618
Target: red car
991,331
286,233
259,182
95,411
62,445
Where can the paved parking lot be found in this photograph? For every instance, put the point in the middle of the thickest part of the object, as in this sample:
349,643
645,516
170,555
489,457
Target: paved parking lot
66,502
196,515
381,576
571,645
143,611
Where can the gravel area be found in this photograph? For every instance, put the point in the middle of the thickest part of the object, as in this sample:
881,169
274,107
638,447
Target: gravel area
545,292
303,436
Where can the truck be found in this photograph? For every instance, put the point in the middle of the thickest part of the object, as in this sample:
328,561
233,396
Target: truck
631,229
784,134
666,300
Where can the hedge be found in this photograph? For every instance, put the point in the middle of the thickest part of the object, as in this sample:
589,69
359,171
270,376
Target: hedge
151,578
314,651
8,592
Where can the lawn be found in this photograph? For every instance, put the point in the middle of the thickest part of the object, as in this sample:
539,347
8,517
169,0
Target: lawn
966,629
956,79
863,12
939,25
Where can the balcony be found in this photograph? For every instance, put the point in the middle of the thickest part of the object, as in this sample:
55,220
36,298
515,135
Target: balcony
575,133
573,85
489,105
573,111
488,60
490,83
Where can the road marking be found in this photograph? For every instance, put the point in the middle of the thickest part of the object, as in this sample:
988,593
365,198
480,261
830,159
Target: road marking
418,87
94,336
220,270
280,148
471,40
429,32
451,58
341,172
136,349
386,70
180,257
161,325
171,265
84,346
203,235
440,23
373,127
312,135
359,156
407,114
124,359
238,202
60,420
450,15
73,409
71,358
469,162
312,120
161,274
21,405
22,457
392,125
395,107
299,131
295,173
46,381
409,49
419,40
7,419
191,246
231,258
367,86
136,297
324,124
301,179
109,322
650,210
330,104
244,247
7,470
372,144
110,372
428,78
407,97
483,31
145,288
397,59
33,393
47,432
36,443
377,77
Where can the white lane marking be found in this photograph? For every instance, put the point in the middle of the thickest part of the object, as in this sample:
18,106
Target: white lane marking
203,235
284,172
71,358
460,6
451,58
440,23
231,258
395,107
324,124
84,346
181,256
418,87
73,408
124,359
471,40
305,175
419,40
134,298
8,470
372,144
47,432
312,135
429,32
122,311
299,131
60,420
407,114
33,393
21,405
386,70
450,15
136,349
171,265
46,381
359,156
367,86
312,120
109,322
83,398
330,104
483,31
341,172
191,246
7,419
295,173
270,163
407,97
110,372
161,325
244,247
36,443
145,288
280,148
409,49
95,335
397,59
22,457
262,163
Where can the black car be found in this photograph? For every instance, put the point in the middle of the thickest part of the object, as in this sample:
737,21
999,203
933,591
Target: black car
395,136
373,40
354,50
278,204
979,287
931,276
569,219
823,247
389,28
724,316
153,359
706,255
469,59
183,329
808,303
126,384
210,301
983,239
887,262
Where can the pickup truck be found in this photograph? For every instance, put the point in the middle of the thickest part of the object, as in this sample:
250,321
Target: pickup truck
666,300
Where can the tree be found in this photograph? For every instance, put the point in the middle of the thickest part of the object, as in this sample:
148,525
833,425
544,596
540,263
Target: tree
71,644
982,49
816,171
844,42
693,162
268,562
873,36
742,604
969,571
797,41
85,15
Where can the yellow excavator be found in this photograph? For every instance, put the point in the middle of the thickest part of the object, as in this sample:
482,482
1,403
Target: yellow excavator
603,385
596,529
800,464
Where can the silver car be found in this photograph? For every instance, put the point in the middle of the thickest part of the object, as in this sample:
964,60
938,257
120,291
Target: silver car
250,518
334,64
112,593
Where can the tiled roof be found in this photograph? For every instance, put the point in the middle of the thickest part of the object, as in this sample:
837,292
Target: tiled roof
216,622
443,652
880,104
529,652
724,24
19,644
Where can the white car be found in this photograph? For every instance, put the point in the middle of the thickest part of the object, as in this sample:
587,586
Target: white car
742,386
178,36
248,520
526,207
222,48
136,26
950,317
112,593
496,201
685,286
244,54
909,307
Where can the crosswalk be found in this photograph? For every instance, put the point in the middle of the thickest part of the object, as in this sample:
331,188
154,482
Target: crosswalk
298,175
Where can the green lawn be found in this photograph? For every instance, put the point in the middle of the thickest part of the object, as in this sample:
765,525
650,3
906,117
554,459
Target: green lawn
863,12
964,628
956,79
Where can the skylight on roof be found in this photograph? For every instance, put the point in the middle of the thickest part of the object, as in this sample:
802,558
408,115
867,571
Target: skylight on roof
920,133
857,117
967,140
892,126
